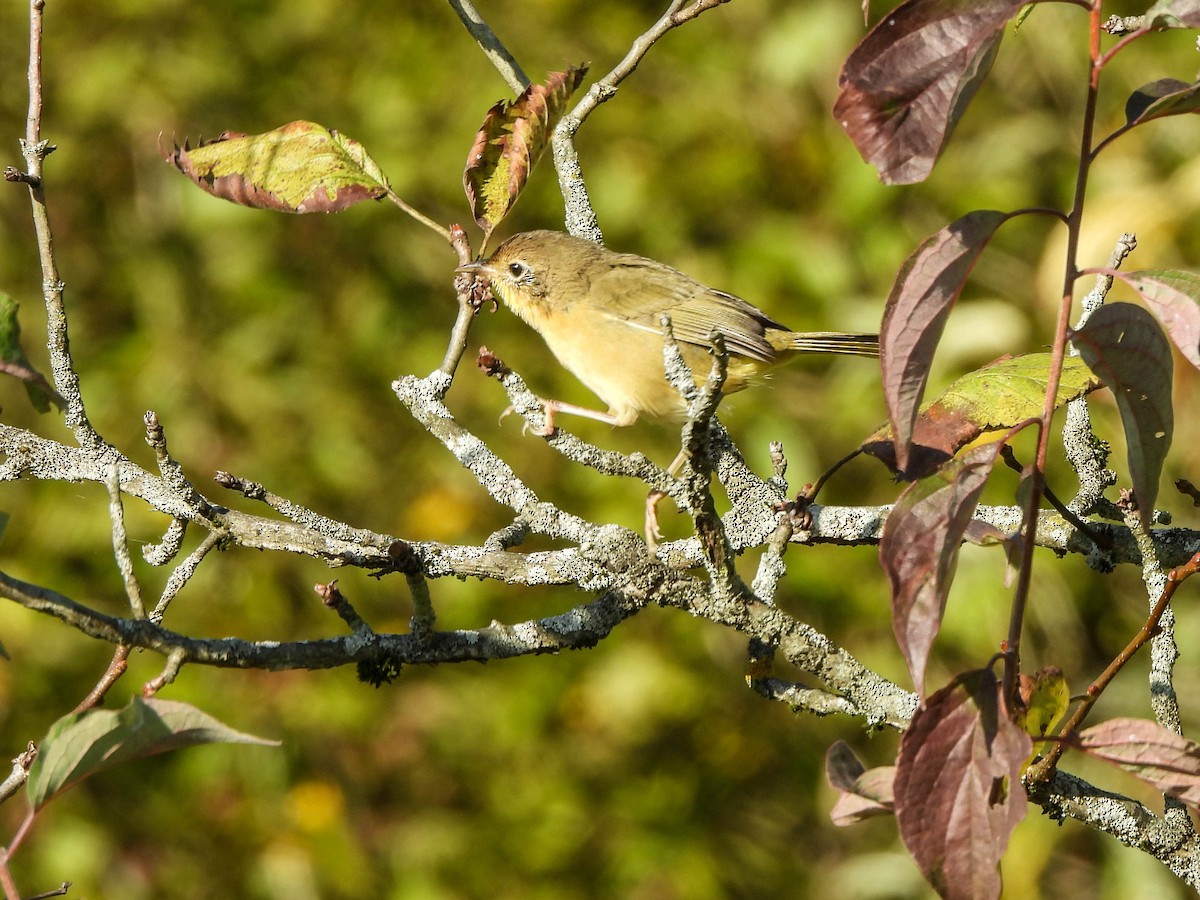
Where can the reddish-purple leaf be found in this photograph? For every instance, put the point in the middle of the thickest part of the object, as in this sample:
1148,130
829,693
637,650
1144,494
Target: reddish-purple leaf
864,793
79,745
1165,97
958,786
909,81
871,795
928,284
300,167
1174,14
842,766
1174,297
919,550
510,141
1154,754
1002,394
1124,345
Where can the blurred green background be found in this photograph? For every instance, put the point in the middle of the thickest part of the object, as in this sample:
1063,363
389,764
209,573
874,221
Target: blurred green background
266,344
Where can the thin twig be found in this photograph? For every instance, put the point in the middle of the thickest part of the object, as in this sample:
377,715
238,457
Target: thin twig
175,660
297,513
607,462
1043,768
495,51
466,288
59,891
332,597
408,562
120,541
1012,647
116,668
433,226
170,470
168,548
6,878
183,574
35,150
21,765
580,215
1100,540
1087,454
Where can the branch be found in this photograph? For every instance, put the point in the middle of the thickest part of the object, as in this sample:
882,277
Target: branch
1170,841
580,217
496,52
35,150
580,628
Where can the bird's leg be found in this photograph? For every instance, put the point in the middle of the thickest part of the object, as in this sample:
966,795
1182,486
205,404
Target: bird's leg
551,407
653,532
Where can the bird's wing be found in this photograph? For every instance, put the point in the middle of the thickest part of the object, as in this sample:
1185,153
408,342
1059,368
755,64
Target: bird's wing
639,292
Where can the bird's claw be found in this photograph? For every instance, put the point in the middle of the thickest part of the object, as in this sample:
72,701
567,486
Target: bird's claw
545,431
653,532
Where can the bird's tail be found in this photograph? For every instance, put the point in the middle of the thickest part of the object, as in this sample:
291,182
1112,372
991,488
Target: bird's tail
835,342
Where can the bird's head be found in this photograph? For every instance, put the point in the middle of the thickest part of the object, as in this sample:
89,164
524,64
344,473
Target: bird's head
518,271
538,271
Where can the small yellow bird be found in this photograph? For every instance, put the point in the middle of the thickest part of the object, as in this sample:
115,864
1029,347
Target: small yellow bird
600,313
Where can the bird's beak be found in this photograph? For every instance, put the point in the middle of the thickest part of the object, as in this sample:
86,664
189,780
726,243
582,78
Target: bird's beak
475,267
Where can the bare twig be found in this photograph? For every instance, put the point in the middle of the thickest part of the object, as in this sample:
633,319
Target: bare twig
423,618
35,150
1088,454
336,600
1037,478
469,302
607,462
168,548
59,891
423,399
120,542
580,216
1130,822
495,51
170,470
183,574
1042,769
415,213
21,764
116,668
175,660
301,515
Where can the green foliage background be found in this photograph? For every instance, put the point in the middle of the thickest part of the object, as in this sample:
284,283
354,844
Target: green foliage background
266,344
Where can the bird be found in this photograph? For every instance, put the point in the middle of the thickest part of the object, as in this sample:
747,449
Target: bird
601,314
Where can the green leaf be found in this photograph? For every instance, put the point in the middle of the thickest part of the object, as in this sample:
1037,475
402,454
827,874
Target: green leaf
1046,701
1174,297
1000,395
1124,345
509,143
14,362
1009,391
80,745
300,167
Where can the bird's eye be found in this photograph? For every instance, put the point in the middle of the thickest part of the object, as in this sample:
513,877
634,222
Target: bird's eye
517,269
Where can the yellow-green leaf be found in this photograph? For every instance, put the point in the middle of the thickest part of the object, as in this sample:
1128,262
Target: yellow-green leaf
300,167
